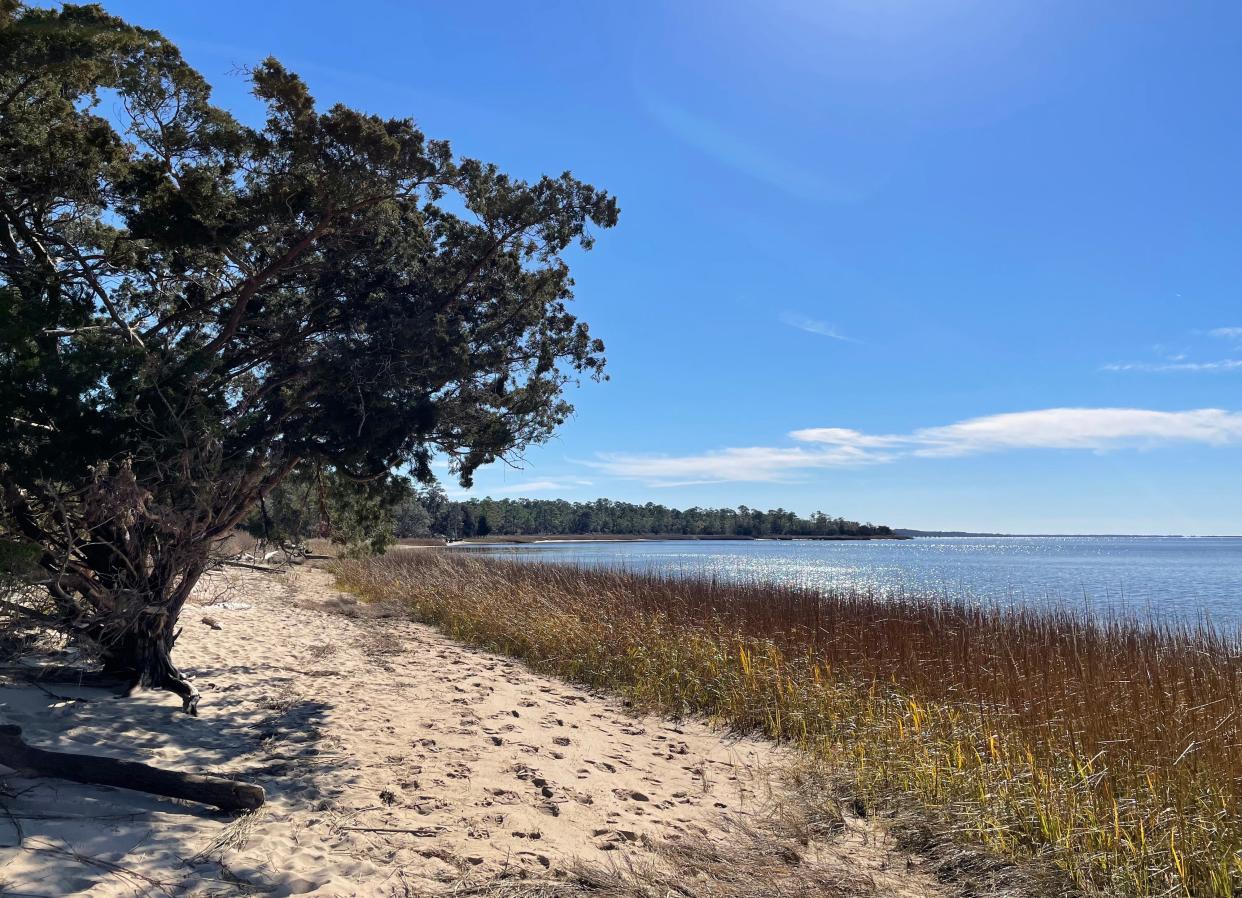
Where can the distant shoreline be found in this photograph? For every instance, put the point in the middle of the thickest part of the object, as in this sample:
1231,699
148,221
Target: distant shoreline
899,535
526,539
945,534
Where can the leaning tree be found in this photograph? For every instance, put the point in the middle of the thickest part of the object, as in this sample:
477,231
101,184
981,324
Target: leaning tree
191,308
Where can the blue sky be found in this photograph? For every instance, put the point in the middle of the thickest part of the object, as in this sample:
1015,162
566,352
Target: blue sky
940,264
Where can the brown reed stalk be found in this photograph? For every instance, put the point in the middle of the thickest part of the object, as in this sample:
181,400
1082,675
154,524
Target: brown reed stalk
1111,745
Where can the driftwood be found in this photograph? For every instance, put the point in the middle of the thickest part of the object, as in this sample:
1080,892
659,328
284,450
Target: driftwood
251,566
228,795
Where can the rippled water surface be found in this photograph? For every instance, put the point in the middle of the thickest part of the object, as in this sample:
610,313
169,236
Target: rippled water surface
1172,577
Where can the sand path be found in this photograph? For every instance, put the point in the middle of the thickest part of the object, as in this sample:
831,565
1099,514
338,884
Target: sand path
477,767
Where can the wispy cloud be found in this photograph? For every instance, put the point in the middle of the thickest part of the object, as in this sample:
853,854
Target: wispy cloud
1181,361
812,326
1090,429
1218,365
535,486
1097,429
753,463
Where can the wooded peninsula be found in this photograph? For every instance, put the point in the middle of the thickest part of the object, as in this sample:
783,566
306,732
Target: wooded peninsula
304,507
432,515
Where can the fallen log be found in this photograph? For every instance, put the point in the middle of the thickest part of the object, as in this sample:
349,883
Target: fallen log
250,566
228,795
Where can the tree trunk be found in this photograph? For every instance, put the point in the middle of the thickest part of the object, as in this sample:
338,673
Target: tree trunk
145,657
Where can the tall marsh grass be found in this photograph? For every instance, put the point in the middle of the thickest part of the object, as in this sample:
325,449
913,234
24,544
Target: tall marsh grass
1111,747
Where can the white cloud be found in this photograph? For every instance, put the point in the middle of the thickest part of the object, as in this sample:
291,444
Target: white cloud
1091,429
843,436
1219,365
754,463
1080,428
811,326
534,486
1180,361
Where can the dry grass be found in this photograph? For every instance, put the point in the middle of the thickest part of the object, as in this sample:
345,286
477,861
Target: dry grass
1111,747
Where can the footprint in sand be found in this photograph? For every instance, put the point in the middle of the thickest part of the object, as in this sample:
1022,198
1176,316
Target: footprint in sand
430,804
608,839
522,772
630,795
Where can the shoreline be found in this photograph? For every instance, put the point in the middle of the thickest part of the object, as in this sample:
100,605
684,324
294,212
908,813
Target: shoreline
399,761
988,715
532,538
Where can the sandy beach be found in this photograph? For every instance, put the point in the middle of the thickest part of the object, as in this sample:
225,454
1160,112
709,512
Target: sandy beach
396,762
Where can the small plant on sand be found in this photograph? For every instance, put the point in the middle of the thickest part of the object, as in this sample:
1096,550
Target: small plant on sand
1109,747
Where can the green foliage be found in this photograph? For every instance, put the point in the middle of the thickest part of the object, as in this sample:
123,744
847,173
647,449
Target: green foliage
17,560
191,308
360,516
512,517
412,517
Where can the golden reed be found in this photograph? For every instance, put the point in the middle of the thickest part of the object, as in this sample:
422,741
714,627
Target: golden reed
1112,747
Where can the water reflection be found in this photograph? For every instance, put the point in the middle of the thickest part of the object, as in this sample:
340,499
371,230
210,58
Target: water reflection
1170,577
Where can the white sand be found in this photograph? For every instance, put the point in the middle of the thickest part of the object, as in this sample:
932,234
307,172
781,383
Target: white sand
357,725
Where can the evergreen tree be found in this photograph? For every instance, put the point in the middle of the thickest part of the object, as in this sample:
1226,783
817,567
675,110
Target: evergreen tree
191,309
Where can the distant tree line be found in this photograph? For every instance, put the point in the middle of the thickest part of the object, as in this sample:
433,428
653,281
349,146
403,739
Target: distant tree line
431,513
365,517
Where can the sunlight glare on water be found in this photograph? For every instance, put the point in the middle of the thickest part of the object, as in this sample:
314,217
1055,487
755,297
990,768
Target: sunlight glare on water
1169,577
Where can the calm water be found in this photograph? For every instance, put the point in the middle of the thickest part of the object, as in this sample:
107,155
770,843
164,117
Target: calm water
1171,577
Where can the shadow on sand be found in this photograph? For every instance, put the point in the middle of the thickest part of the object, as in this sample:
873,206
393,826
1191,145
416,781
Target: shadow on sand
59,838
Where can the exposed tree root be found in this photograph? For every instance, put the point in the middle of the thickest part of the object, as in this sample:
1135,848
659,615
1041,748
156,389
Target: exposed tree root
228,795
